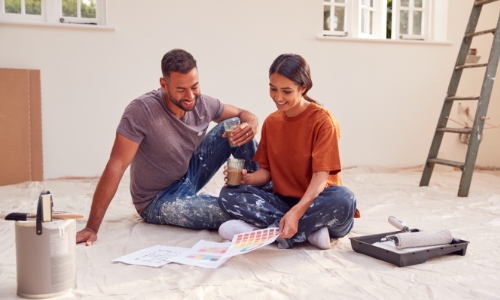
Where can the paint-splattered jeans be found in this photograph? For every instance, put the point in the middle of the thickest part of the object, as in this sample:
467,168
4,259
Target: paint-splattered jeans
334,208
179,204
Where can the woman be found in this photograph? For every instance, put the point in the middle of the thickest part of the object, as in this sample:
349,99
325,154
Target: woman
299,151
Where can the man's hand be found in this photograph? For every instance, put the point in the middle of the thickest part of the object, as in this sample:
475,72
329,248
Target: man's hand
241,135
289,224
249,124
87,235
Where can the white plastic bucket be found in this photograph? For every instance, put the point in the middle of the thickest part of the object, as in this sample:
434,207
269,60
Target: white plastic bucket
45,263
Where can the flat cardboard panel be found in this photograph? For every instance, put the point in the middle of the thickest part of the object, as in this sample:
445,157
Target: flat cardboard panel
36,126
20,126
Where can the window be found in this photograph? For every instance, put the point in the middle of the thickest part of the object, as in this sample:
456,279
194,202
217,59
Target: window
410,17
372,16
89,12
23,10
378,19
79,11
335,23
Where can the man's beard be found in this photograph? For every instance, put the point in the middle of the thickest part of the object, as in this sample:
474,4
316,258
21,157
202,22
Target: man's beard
178,102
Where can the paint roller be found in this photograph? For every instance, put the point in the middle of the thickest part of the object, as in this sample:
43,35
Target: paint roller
411,238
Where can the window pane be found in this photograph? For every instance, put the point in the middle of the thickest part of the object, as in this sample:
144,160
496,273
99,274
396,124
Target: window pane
371,22
403,23
404,3
418,3
340,1
13,6
338,20
69,8
367,21
367,3
33,7
363,21
326,17
417,22
88,9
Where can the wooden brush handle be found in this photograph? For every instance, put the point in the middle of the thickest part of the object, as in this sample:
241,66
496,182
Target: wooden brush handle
66,215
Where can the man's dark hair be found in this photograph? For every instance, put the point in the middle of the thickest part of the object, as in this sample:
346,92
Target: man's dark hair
177,60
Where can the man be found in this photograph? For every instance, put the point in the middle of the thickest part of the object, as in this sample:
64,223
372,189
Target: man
163,135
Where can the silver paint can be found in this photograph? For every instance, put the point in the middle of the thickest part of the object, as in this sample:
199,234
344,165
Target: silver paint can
46,264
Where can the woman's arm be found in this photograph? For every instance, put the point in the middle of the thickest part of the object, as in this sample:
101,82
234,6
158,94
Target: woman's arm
289,224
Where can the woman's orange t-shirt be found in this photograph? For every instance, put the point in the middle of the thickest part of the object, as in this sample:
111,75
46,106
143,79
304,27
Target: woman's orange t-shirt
292,149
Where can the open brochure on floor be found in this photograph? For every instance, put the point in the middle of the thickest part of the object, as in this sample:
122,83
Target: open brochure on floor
204,254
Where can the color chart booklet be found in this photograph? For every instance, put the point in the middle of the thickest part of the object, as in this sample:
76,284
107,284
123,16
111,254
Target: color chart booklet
211,255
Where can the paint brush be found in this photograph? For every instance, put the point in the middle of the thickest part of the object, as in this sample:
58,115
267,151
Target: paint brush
60,215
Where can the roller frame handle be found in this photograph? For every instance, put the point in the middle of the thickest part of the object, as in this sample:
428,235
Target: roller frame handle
398,224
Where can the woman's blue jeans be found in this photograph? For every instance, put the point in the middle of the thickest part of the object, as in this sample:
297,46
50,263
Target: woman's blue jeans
334,208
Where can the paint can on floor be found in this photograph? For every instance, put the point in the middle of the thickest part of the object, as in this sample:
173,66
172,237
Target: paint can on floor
46,265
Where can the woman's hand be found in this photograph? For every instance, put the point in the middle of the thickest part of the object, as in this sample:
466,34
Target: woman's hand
259,177
289,224
245,176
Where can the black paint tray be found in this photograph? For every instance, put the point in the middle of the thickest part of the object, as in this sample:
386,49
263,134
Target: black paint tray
364,244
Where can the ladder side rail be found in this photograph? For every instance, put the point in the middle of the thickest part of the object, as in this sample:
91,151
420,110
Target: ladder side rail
482,109
452,90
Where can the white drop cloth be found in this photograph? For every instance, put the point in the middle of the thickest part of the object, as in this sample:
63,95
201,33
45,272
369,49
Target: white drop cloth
269,273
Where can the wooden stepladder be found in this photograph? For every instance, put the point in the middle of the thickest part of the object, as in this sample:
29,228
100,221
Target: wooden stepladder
482,105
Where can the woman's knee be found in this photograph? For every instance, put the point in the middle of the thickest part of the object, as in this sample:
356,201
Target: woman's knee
341,201
340,195
229,196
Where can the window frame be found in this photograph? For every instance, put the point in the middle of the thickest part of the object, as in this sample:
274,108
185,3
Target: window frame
396,18
347,19
79,18
52,14
22,16
379,24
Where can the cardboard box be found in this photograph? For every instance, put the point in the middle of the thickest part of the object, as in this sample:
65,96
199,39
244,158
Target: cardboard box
20,126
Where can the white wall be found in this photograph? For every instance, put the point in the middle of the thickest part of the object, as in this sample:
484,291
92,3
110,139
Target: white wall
386,96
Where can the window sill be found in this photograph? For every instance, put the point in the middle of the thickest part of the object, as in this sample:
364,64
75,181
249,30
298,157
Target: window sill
390,41
59,25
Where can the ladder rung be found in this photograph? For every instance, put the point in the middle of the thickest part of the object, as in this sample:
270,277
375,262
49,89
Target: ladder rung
461,98
454,130
483,2
470,66
480,32
446,162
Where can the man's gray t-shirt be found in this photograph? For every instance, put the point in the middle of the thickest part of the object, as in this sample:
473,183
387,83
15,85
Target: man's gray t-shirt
166,143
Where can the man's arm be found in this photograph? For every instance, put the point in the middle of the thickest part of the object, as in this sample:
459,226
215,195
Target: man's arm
249,124
121,156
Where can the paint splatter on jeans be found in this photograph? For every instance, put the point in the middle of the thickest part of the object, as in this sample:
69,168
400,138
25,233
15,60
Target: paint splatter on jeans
333,208
179,204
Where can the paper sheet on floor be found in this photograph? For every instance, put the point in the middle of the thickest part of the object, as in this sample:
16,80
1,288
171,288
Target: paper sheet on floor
155,256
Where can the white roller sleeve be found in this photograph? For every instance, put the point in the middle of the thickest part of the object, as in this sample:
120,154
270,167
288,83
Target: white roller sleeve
423,238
